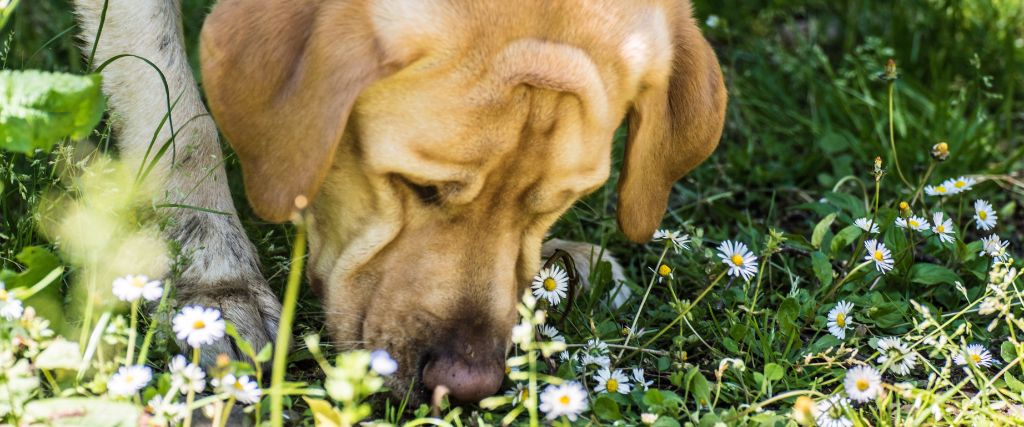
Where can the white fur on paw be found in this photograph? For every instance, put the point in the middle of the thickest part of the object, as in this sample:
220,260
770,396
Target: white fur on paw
585,256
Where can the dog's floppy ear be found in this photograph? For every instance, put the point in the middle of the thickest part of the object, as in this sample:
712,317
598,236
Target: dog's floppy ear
281,78
673,126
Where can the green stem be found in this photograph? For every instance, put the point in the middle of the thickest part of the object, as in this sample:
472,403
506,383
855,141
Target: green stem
191,397
892,138
133,324
532,404
227,412
282,344
643,301
151,329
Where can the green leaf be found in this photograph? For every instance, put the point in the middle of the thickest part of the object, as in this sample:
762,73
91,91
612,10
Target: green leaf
664,421
699,387
1013,383
822,268
81,411
606,408
39,263
932,274
819,230
324,415
789,312
773,372
1008,352
38,109
6,12
843,238
60,354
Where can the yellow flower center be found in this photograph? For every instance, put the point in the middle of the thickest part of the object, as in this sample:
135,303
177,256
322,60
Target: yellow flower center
4,296
879,256
508,370
904,206
664,270
976,358
612,386
564,399
862,384
940,228
959,184
982,214
525,394
736,259
914,224
940,189
238,386
199,324
138,283
550,284
841,320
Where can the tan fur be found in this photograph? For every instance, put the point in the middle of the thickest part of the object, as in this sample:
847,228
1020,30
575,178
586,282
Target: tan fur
507,109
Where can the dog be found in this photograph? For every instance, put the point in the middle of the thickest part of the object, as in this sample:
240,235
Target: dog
436,141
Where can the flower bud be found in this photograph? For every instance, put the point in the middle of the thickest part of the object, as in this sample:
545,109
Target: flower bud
940,151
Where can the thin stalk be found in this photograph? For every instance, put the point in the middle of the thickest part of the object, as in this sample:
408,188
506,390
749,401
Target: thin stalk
133,325
892,138
227,412
640,309
191,397
282,344
151,330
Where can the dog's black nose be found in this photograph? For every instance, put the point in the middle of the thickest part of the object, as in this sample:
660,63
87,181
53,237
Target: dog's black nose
468,379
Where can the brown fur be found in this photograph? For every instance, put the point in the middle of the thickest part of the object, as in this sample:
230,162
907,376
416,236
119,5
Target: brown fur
440,139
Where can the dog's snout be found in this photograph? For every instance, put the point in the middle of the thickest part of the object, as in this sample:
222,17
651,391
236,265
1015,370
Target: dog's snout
469,379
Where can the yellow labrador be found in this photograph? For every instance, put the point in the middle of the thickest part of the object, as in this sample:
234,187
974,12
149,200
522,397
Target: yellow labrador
437,141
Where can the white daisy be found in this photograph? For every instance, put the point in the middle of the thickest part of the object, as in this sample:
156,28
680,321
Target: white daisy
198,326
164,413
568,400
960,184
128,380
994,247
943,228
595,353
522,333
609,381
976,353
130,288
241,388
551,284
741,261
552,334
915,223
678,240
519,393
866,224
894,350
938,190
382,363
186,376
863,383
10,307
831,412
638,378
879,254
984,216
840,319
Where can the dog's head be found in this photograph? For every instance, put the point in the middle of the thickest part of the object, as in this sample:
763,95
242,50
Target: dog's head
440,139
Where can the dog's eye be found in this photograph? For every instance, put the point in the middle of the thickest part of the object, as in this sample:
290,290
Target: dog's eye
428,194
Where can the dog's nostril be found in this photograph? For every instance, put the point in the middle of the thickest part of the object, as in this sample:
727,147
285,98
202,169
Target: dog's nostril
468,382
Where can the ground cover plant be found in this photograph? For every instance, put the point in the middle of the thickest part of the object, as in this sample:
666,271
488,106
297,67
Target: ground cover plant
849,256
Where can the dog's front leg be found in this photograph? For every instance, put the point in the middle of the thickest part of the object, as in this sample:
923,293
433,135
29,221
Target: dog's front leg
222,269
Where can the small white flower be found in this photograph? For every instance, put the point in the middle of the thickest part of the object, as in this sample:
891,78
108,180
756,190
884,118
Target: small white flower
840,319
976,353
10,307
960,184
602,361
241,388
866,224
678,240
128,380
984,216
164,413
915,223
943,228
522,333
878,254
569,400
863,383
186,376
831,412
712,21
648,418
938,190
198,326
519,393
130,288
895,350
382,363
994,247
741,261
611,381
551,333
638,378
551,284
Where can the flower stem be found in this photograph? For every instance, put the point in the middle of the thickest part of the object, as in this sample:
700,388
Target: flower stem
281,345
191,397
133,324
151,329
892,138
640,309
227,412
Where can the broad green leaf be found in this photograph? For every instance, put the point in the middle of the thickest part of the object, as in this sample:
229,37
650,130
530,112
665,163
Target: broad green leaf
819,230
699,387
606,408
789,312
1008,352
665,421
38,109
39,263
1013,383
7,11
843,238
81,411
324,415
822,268
773,372
60,354
932,274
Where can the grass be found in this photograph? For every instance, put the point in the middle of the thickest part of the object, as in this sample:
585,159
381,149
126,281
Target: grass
808,115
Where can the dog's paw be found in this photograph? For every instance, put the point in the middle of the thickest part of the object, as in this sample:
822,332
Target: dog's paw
247,303
586,256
